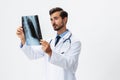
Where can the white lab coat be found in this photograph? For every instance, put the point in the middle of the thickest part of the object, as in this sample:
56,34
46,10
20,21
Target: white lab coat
63,63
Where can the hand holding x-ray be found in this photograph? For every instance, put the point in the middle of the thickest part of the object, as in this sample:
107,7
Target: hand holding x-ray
20,34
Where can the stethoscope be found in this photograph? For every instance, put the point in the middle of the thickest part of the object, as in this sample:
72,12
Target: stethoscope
68,39
66,44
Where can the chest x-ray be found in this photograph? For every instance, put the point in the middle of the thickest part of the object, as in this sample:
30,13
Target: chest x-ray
31,29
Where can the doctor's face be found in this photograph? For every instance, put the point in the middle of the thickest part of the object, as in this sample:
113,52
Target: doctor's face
57,21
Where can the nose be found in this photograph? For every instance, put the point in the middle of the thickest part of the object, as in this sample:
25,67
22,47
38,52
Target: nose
53,22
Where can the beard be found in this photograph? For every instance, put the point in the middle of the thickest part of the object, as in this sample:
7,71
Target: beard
57,27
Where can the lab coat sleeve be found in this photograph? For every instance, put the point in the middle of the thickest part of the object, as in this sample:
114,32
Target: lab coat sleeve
32,52
68,61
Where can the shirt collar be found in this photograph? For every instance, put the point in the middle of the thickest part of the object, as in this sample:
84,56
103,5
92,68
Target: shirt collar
61,35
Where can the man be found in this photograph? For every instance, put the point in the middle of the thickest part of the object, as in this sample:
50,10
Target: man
61,54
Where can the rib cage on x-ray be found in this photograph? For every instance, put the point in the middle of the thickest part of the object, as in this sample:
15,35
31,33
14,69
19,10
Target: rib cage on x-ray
31,29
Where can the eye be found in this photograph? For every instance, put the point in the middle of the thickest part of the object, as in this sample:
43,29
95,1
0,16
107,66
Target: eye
51,19
56,18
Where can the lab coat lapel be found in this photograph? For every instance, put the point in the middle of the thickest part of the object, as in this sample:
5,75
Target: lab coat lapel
63,38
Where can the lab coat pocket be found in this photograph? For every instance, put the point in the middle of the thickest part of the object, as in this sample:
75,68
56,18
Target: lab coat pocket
65,47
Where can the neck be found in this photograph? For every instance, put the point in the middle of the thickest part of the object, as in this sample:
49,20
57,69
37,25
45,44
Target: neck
61,30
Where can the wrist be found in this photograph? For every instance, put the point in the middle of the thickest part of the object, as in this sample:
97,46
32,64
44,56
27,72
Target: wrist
50,53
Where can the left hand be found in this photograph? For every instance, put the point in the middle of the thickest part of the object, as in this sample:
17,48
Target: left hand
46,47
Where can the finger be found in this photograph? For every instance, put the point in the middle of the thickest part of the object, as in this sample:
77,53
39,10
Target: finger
42,40
43,43
17,32
19,29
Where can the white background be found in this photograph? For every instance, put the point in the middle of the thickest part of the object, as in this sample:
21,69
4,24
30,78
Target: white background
95,22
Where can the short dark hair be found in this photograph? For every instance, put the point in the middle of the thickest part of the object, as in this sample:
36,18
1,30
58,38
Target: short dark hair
63,13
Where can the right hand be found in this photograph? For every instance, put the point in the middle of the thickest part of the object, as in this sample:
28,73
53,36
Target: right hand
20,34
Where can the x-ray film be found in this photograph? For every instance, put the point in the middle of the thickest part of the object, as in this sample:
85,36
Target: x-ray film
32,30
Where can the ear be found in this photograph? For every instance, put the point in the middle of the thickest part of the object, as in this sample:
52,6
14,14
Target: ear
65,20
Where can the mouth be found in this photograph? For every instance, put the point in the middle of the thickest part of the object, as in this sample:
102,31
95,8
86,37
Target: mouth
54,26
